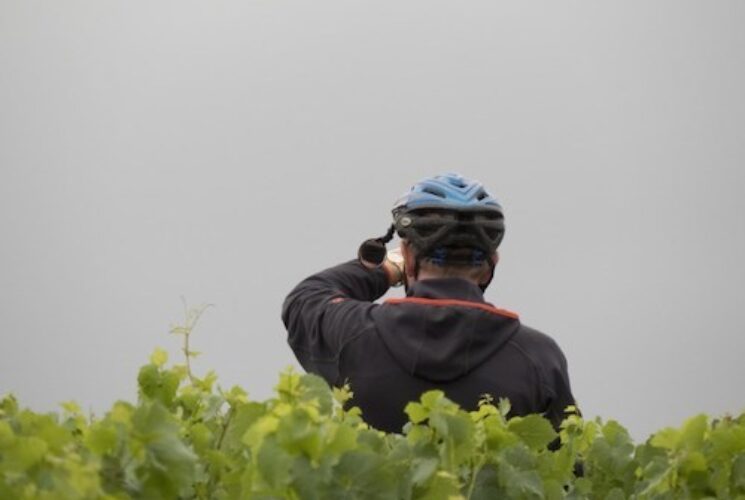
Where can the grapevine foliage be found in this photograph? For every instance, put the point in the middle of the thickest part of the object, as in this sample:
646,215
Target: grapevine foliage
187,438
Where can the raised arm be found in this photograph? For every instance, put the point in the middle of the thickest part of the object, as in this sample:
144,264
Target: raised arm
329,308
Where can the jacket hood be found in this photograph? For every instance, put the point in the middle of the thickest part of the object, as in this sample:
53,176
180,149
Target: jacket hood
443,329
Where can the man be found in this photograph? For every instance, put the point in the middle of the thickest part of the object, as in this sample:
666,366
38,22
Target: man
443,334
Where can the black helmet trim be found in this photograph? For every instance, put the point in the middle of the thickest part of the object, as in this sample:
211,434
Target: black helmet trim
428,230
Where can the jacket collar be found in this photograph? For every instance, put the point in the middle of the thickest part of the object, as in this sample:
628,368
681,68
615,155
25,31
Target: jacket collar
446,288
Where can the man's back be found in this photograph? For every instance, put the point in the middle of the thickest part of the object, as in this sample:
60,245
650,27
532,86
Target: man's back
443,335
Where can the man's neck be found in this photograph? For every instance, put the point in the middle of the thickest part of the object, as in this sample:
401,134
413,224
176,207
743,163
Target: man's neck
425,275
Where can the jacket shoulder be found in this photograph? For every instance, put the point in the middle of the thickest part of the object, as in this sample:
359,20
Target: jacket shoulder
535,339
542,349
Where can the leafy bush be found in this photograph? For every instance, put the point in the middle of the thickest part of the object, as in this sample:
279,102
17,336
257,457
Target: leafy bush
188,438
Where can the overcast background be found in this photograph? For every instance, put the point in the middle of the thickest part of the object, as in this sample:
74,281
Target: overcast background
225,150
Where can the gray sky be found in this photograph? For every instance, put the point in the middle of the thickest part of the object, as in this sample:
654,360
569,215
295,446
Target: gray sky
225,150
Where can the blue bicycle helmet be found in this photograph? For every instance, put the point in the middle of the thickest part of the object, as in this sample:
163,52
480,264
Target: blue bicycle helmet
449,191
449,211
448,219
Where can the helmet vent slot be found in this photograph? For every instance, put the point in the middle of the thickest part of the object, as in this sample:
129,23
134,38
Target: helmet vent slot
492,233
433,191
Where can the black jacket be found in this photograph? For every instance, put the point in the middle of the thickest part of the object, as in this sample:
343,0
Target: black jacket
442,335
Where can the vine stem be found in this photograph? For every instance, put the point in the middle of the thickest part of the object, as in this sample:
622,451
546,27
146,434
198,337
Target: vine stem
188,358
475,473
190,322
228,418
218,446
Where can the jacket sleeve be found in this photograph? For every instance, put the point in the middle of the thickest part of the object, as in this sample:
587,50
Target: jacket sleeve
326,310
558,388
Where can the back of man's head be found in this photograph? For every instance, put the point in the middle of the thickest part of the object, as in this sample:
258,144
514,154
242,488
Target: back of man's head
451,228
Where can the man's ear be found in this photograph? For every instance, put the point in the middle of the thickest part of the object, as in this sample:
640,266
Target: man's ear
486,277
409,260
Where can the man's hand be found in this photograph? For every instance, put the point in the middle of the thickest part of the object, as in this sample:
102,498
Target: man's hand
393,263
394,267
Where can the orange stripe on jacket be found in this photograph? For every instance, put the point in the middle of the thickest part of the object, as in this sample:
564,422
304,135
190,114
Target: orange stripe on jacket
454,302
